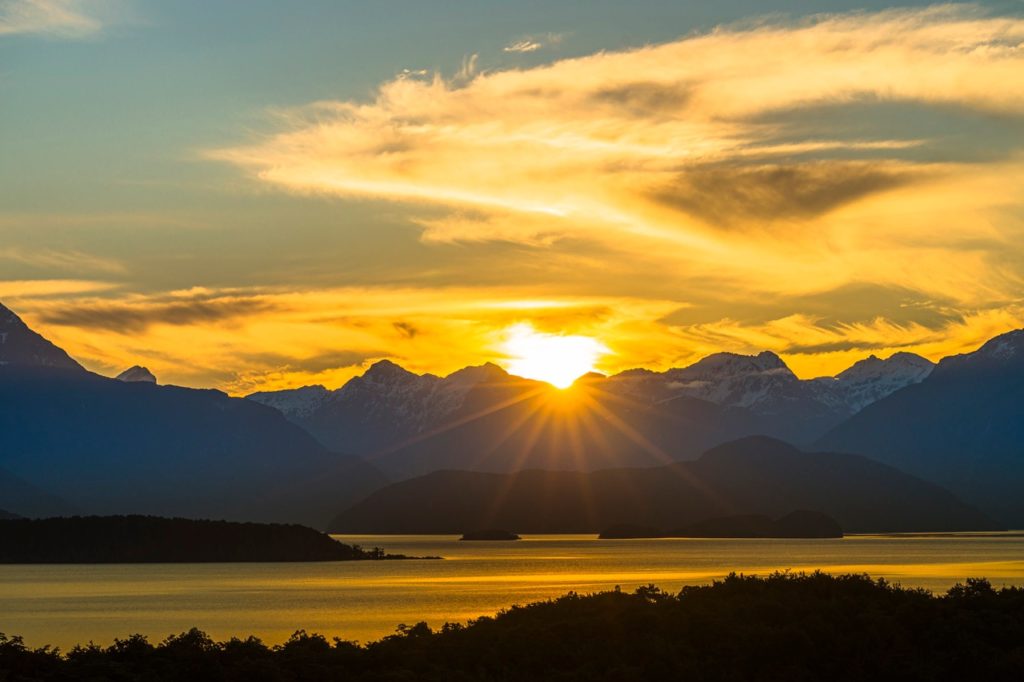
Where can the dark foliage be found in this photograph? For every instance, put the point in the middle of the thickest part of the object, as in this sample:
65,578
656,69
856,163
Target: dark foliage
785,627
151,539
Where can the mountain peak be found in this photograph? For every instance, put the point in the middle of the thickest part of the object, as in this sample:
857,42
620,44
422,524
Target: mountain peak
137,374
900,363
769,360
765,361
20,346
386,370
477,374
751,448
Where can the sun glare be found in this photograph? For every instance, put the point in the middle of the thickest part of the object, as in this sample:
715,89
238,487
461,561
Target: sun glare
555,358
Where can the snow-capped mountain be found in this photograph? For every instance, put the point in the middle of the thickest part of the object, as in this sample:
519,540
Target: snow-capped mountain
872,379
137,374
383,407
388,405
294,403
766,385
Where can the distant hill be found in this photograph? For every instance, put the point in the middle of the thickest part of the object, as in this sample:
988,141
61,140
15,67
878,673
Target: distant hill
7,516
962,427
148,539
98,445
749,476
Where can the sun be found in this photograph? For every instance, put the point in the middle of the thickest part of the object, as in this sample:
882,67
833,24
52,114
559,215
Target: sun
555,358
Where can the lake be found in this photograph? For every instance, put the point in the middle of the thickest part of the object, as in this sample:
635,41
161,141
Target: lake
63,605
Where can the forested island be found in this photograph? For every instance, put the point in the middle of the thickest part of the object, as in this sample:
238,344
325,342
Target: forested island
151,539
490,535
801,524
782,627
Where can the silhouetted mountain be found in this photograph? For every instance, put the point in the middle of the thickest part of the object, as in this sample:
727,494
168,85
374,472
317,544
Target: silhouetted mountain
962,427
8,516
749,476
137,373
150,539
106,446
22,347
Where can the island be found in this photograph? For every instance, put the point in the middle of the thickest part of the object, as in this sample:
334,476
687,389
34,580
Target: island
152,539
489,534
795,525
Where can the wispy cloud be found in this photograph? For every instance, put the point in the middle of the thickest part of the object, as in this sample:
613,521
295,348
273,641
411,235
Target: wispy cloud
534,43
54,259
60,18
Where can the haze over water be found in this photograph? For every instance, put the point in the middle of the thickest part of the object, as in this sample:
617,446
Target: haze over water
63,605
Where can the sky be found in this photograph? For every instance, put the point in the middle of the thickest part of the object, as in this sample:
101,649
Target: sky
263,195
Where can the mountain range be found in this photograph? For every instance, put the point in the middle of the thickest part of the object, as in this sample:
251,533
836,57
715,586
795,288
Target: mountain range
72,441
482,418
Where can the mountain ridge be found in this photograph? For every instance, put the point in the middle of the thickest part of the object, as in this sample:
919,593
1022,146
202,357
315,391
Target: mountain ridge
389,407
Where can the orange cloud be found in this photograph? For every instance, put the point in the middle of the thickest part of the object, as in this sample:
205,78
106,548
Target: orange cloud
694,150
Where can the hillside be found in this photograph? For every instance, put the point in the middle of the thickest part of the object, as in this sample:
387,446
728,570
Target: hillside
749,476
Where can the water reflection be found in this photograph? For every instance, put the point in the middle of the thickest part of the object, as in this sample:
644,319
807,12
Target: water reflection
64,605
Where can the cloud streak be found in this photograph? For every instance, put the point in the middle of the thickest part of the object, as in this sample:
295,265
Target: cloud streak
58,18
534,43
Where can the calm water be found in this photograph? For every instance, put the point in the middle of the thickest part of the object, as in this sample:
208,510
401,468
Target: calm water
63,605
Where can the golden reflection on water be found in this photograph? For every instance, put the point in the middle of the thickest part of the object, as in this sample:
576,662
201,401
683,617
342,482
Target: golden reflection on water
64,605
